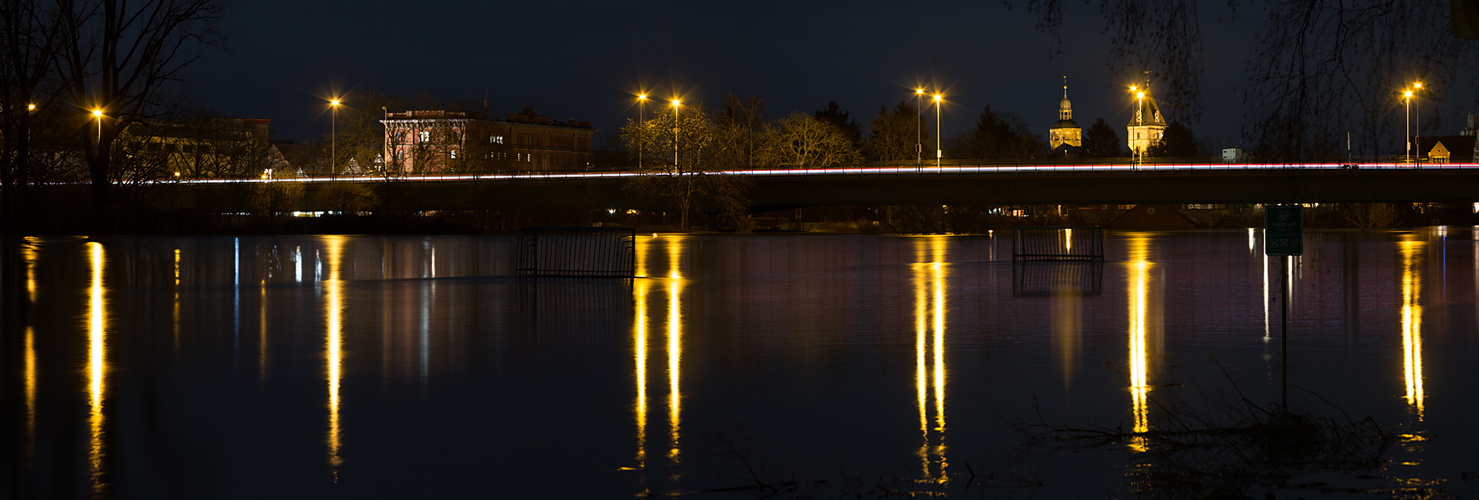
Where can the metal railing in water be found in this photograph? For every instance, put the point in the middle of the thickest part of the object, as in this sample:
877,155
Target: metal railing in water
588,252
1057,243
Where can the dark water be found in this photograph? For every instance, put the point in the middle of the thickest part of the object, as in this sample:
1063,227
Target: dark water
406,367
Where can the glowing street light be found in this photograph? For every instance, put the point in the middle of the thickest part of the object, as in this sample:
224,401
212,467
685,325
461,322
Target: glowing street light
31,107
99,114
333,134
938,152
919,127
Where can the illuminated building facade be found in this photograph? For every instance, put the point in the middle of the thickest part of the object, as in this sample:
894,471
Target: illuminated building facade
440,141
1146,125
1065,137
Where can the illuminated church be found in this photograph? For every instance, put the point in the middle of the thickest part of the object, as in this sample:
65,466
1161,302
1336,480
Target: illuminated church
1146,125
1065,137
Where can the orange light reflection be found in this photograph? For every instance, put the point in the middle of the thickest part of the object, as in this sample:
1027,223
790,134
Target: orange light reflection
1139,277
334,305
96,367
929,353
1412,343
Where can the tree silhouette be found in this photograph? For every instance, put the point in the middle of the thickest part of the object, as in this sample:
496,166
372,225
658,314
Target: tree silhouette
1101,141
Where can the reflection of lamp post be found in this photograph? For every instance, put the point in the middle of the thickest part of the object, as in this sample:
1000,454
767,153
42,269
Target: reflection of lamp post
938,152
333,135
918,127
641,127
676,104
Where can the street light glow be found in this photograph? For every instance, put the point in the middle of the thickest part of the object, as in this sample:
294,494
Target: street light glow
641,97
677,103
1409,93
937,97
31,107
333,102
1139,95
99,113
919,91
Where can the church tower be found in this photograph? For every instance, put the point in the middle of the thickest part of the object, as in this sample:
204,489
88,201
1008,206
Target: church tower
1146,124
1065,137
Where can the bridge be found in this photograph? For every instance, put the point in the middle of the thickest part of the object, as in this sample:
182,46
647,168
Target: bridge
909,185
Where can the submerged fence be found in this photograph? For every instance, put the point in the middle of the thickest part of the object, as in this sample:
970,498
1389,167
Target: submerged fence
577,251
1057,243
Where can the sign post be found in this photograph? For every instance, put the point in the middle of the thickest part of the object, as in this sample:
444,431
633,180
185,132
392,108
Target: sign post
1283,235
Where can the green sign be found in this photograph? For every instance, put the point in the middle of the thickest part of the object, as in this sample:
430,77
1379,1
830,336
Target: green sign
1283,230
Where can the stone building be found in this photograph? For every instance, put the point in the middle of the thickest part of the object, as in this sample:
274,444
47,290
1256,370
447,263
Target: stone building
1146,125
439,141
1065,137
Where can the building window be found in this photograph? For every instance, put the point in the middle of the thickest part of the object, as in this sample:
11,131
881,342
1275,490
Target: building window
425,136
453,153
495,139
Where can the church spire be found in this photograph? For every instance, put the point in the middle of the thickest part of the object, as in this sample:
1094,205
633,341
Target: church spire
1065,108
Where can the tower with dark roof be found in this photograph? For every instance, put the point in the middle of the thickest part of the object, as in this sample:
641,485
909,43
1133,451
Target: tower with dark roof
1146,124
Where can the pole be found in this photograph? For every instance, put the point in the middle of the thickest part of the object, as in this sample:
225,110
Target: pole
918,129
1284,333
333,137
937,131
1407,130
641,127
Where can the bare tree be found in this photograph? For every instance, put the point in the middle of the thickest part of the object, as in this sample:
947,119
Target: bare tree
26,58
804,141
118,57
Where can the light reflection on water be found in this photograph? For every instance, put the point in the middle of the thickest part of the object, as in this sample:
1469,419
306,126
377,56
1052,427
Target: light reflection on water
456,369
929,378
1139,285
1412,343
96,365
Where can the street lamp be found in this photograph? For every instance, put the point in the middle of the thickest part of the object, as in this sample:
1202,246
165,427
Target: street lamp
99,114
641,106
1407,130
1137,153
1418,140
333,134
938,152
919,127
676,104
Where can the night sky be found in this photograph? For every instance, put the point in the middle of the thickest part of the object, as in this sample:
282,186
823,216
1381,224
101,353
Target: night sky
586,60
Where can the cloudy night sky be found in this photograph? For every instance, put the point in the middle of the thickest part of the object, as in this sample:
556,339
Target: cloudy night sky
586,60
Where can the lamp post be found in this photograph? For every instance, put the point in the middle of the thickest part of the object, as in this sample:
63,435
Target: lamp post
918,128
333,135
938,152
1136,153
641,127
676,104
99,114
1407,129
1417,141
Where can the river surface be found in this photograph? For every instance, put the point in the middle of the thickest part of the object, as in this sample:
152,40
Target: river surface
732,367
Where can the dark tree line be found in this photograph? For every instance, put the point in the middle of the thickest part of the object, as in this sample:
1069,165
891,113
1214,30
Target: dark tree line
62,59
